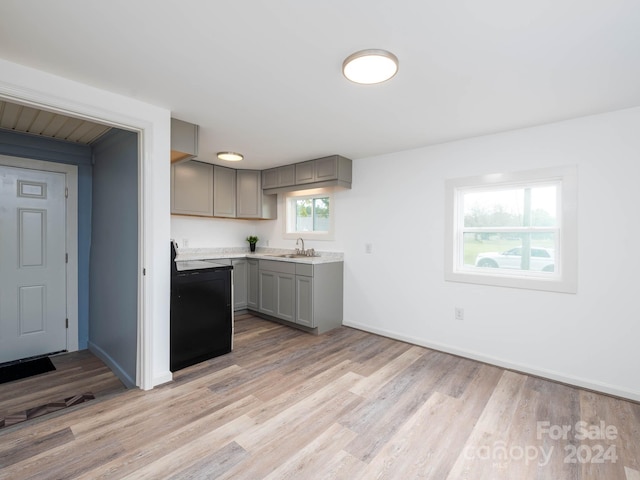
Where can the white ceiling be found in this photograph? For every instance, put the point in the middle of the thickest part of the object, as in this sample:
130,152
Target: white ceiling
264,77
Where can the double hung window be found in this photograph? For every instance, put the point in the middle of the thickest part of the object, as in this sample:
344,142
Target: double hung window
515,230
309,214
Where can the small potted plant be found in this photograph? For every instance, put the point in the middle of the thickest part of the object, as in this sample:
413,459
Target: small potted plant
252,239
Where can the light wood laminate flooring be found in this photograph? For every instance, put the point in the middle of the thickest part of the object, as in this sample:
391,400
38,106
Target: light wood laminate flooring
343,405
76,373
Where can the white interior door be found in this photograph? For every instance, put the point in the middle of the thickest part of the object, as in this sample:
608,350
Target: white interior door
32,263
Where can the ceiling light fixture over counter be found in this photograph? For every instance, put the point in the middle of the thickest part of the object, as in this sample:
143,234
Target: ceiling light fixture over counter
370,66
230,156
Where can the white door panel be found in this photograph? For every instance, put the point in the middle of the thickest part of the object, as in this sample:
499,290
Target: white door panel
31,237
32,263
31,309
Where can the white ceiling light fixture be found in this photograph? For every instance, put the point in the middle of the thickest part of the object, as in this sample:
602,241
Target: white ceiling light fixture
230,156
370,66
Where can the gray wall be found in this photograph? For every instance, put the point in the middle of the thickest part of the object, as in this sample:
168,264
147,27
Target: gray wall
113,274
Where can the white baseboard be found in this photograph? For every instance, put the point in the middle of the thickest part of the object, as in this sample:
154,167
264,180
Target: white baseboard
113,365
499,362
165,377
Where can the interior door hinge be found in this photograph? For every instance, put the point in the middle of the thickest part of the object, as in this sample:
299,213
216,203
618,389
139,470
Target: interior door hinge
144,272
66,323
66,258
66,192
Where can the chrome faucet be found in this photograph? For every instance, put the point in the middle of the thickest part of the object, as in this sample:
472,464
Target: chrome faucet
300,240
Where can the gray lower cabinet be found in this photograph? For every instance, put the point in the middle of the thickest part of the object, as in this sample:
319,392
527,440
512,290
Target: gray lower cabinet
277,289
286,296
304,301
240,283
192,188
224,192
310,295
252,283
319,295
267,292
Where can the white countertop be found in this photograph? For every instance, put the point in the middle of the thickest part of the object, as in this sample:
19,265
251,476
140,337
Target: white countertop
265,253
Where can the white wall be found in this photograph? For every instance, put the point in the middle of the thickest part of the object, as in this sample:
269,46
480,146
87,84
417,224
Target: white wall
200,232
397,204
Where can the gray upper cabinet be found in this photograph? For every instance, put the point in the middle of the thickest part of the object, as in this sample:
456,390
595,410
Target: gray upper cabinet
305,172
331,171
224,192
184,140
332,168
279,177
211,190
324,169
287,175
251,201
199,188
270,178
192,188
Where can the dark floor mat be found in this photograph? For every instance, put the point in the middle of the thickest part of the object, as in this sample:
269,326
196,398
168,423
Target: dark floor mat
30,413
25,369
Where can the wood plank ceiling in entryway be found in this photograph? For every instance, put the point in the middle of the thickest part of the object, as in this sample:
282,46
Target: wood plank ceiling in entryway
25,119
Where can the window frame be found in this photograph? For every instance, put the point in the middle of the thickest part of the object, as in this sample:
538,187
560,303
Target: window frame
289,215
565,275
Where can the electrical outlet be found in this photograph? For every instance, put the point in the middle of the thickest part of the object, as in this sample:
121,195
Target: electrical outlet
266,243
368,248
459,313
185,243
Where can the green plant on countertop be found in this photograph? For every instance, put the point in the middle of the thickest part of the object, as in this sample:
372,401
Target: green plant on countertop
252,239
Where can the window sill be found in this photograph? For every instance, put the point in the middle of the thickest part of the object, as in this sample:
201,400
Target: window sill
552,283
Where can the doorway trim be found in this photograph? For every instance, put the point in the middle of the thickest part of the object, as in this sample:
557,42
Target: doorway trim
71,233
28,86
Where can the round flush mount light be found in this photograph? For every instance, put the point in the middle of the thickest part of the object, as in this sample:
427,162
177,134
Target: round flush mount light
230,156
370,66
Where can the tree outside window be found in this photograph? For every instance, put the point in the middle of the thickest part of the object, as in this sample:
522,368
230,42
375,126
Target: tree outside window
310,214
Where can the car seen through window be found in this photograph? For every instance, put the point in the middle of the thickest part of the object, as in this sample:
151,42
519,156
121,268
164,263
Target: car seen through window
538,258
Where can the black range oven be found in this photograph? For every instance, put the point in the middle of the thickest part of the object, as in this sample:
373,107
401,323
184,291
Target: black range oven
201,311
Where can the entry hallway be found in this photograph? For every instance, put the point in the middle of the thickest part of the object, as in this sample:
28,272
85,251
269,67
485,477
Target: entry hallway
347,404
